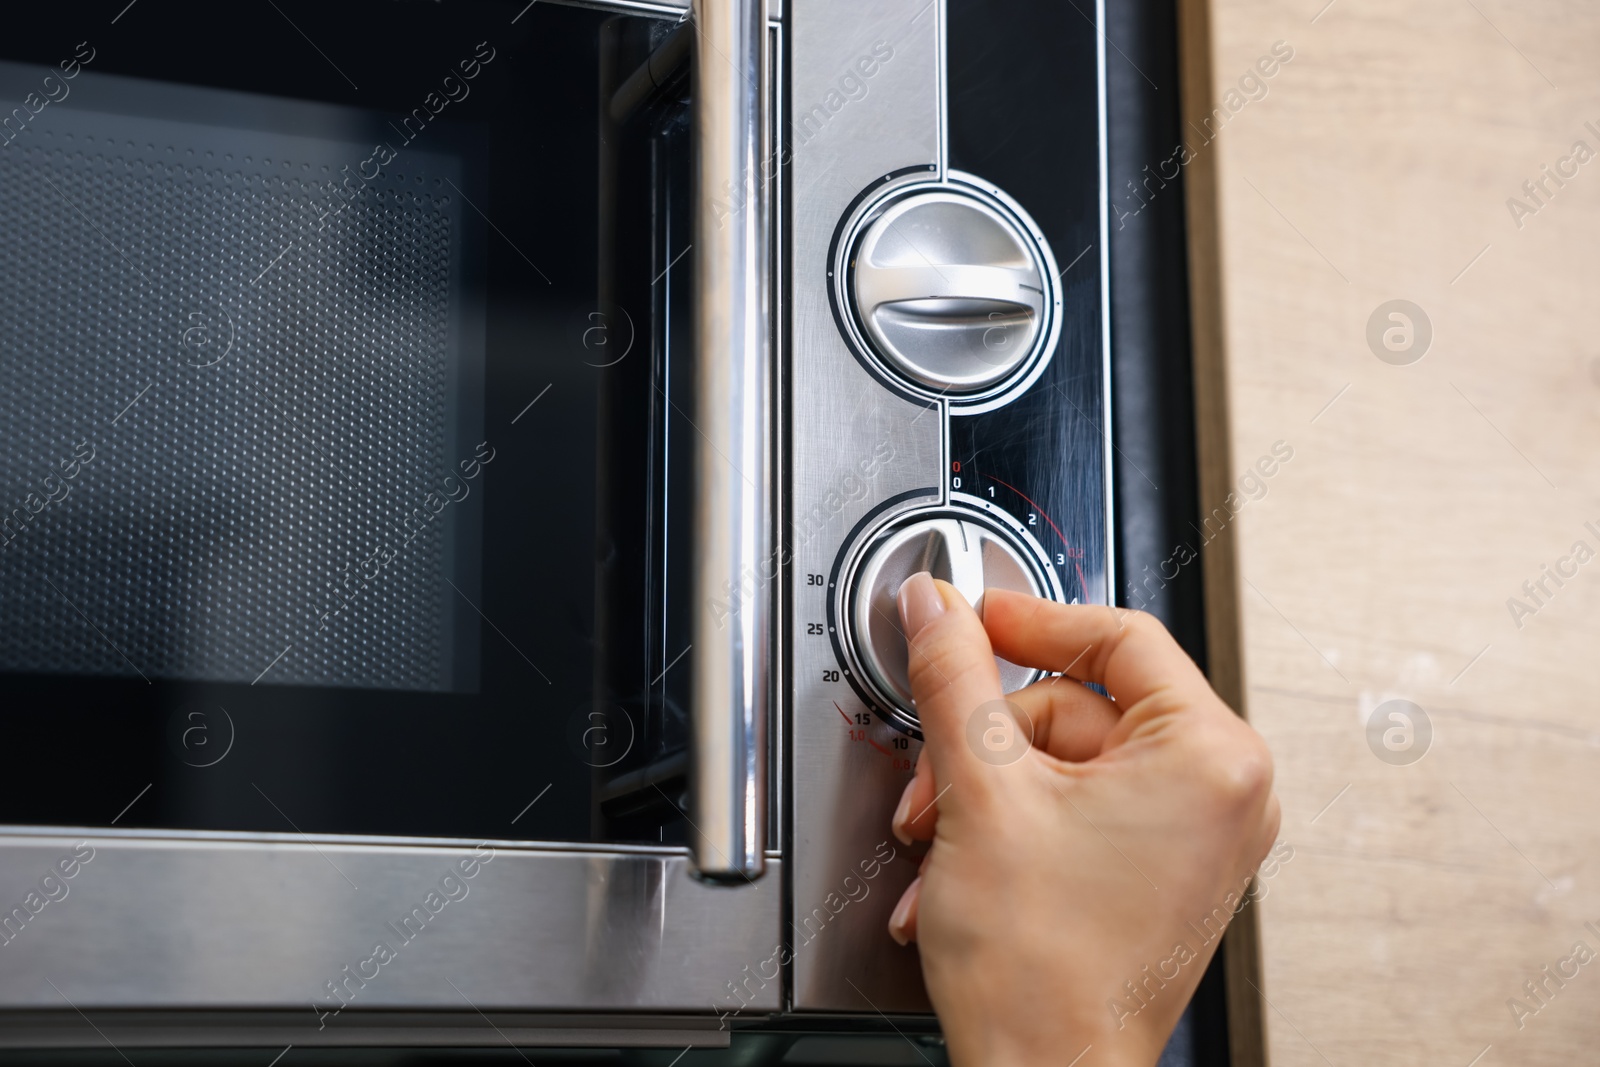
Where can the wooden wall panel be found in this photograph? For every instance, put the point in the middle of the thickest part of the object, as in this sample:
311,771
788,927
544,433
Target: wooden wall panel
1373,166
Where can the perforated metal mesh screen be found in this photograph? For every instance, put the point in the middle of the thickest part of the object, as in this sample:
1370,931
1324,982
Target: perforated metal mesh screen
227,392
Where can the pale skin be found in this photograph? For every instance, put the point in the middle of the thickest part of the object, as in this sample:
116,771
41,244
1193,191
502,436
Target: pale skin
1052,881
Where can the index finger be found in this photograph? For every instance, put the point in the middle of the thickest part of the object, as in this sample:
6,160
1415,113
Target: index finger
1128,652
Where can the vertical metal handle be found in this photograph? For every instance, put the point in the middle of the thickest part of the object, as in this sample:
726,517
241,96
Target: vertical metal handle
733,561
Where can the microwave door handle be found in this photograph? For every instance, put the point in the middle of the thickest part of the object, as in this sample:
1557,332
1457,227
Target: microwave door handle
733,554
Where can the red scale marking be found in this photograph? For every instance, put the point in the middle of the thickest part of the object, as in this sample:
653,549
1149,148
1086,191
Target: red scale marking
851,724
1083,583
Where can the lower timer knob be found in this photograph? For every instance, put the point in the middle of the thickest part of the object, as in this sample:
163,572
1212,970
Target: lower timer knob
967,549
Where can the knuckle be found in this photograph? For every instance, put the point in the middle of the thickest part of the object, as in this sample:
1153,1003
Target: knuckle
1144,623
1238,768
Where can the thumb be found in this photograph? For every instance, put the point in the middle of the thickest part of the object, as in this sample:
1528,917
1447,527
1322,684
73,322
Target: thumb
952,670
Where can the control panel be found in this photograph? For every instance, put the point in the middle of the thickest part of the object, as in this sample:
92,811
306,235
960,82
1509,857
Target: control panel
947,292
946,411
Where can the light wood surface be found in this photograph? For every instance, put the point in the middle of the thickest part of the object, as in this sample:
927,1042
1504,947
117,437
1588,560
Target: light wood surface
1419,499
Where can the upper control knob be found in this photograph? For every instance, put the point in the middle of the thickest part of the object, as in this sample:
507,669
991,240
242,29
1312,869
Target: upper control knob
951,290
967,550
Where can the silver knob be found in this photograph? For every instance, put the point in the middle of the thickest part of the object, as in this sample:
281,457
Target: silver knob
949,291
969,553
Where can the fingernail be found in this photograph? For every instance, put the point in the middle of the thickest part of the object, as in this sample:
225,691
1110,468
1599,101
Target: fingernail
920,602
902,912
901,813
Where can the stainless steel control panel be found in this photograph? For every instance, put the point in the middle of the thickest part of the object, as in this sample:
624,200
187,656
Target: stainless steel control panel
947,413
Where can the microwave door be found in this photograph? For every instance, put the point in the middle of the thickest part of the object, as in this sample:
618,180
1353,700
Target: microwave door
644,432
352,449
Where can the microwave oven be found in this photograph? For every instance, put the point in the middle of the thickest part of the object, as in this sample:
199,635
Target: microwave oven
458,460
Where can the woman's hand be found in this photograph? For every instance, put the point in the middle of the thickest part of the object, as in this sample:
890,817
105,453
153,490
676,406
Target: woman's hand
1077,885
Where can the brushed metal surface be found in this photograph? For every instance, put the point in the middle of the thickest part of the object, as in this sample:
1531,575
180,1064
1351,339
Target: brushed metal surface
865,104
732,451
274,922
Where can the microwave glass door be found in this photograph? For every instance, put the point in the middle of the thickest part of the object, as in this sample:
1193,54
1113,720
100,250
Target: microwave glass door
342,446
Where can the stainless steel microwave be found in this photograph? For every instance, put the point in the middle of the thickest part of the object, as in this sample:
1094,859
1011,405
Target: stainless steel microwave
457,459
